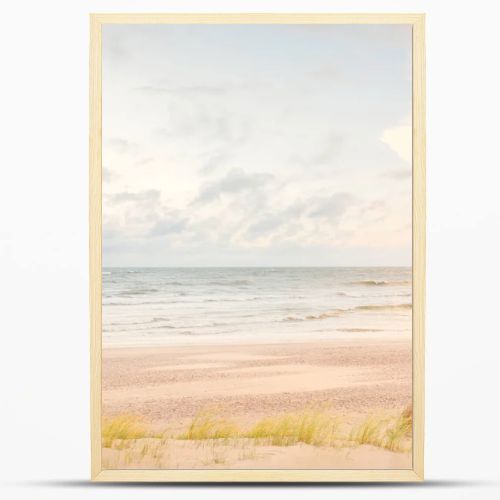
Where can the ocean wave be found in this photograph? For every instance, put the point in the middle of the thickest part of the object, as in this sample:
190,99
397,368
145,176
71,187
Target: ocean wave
384,307
293,318
359,330
127,323
334,313
230,283
381,282
146,327
147,322
141,291
365,296
327,314
146,303
221,300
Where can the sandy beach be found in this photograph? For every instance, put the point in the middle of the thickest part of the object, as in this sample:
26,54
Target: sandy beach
167,387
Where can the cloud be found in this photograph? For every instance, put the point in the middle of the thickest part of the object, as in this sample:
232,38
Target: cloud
214,161
201,154
399,174
268,223
144,161
324,154
331,207
203,123
282,219
235,181
187,90
290,221
375,205
114,51
139,216
219,88
167,226
122,145
108,175
399,139
148,196
326,72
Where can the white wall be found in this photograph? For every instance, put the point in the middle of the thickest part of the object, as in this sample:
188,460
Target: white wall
44,449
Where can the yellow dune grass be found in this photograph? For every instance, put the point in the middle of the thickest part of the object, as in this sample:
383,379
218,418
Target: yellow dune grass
124,427
313,427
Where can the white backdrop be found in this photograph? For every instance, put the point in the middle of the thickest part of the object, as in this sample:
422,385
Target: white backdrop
44,447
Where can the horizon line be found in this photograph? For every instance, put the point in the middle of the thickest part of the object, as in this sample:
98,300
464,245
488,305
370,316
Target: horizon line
254,267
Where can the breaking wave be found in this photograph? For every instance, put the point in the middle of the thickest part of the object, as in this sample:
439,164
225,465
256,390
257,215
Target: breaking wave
334,313
381,283
230,283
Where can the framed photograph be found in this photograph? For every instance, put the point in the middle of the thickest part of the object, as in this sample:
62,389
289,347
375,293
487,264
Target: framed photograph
257,247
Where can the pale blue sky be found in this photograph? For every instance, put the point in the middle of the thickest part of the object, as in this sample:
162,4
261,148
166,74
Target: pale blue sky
256,145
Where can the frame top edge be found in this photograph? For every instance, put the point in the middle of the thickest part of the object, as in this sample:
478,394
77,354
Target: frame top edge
254,17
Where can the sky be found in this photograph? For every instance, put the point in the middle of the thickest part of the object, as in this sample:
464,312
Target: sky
257,145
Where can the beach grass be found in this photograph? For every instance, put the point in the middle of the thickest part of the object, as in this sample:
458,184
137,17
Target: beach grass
368,432
209,424
124,428
400,431
311,427
392,434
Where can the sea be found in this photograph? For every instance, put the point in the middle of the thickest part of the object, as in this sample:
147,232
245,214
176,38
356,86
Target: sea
161,306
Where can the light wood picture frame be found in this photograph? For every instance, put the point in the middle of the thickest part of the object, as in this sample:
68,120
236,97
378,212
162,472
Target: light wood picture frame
416,472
